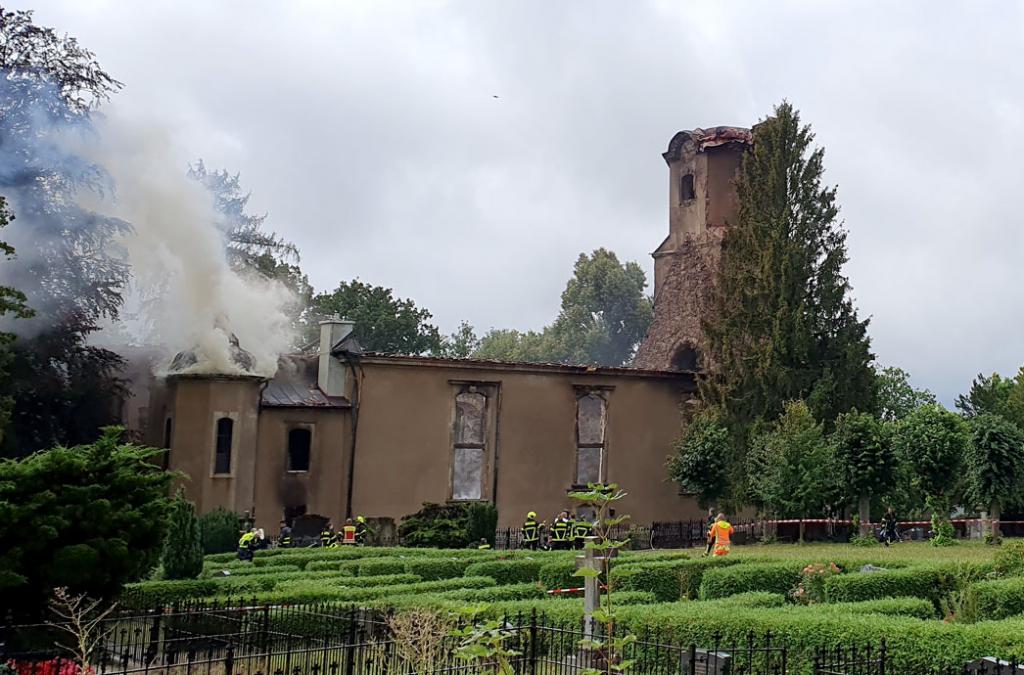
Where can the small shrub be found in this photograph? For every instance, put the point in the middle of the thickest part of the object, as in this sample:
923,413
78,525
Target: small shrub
437,526
506,571
811,589
482,521
1009,559
219,532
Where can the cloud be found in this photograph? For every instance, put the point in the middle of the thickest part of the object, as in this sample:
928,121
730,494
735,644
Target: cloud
371,135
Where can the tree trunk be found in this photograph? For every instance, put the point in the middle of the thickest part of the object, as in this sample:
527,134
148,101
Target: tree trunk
994,516
864,512
801,530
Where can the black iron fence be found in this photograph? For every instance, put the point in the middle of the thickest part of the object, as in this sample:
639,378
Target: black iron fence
338,640
333,639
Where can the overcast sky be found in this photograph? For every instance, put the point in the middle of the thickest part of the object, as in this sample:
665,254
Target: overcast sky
370,133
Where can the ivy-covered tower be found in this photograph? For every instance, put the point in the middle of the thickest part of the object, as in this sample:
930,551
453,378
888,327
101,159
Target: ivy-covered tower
702,167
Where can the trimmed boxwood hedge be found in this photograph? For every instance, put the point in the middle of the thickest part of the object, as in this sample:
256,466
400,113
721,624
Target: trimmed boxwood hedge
557,575
916,607
249,570
430,569
997,599
669,580
378,566
506,571
770,577
930,583
315,591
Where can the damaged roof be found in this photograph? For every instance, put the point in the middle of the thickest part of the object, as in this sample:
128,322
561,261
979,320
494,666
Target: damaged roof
494,364
702,139
294,386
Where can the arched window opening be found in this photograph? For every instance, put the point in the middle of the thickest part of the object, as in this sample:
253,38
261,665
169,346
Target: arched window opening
299,442
222,456
686,189
687,358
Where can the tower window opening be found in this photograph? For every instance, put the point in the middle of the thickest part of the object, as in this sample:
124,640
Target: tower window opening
686,190
687,358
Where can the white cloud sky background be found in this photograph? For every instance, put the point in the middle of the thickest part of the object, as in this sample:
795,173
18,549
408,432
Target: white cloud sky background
369,133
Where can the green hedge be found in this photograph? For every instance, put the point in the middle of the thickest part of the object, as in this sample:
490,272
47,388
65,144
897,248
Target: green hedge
556,575
379,566
914,607
250,570
348,566
770,577
506,571
315,591
151,594
355,582
996,599
752,599
669,580
430,569
930,583
523,591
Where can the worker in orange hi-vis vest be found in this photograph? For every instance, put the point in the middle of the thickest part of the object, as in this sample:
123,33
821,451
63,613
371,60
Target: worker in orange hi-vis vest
348,533
721,532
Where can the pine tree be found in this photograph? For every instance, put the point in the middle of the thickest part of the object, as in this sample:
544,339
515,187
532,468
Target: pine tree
783,326
183,549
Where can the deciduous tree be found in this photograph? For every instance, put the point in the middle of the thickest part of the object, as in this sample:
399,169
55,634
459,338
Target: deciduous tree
933,442
994,464
792,470
698,464
896,397
865,460
384,323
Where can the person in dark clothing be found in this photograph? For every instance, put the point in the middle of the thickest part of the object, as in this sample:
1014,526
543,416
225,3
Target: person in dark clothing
889,533
284,539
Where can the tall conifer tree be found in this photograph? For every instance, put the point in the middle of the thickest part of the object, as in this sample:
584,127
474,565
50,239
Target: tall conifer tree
783,326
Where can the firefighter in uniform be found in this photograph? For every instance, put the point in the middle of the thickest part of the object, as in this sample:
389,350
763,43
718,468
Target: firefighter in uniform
247,544
362,530
581,529
327,536
348,533
721,532
560,532
531,531
284,540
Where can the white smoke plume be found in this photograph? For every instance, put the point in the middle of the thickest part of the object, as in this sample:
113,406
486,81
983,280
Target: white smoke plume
185,296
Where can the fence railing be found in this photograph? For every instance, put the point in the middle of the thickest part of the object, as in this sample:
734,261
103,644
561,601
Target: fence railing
236,638
332,639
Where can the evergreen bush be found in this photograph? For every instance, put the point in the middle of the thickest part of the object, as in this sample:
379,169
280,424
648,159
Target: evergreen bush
183,551
219,531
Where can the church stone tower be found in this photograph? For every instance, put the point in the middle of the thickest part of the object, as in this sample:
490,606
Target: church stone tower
702,167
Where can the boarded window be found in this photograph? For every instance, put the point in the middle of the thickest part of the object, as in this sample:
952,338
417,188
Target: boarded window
299,441
590,430
686,190
469,436
222,457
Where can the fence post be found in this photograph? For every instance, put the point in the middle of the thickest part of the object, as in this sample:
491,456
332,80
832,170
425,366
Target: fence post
264,628
691,668
881,658
533,641
350,646
229,661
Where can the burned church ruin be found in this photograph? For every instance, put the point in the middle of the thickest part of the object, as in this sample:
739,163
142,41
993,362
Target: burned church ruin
339,431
